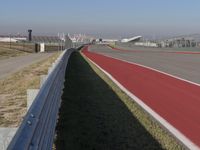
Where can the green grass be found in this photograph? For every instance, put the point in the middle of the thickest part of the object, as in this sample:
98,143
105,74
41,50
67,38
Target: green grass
96,114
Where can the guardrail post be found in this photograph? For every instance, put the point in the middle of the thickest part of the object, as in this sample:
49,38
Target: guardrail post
49,70
43,78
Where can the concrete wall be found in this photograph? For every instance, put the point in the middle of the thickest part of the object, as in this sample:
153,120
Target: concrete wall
133,44
147,44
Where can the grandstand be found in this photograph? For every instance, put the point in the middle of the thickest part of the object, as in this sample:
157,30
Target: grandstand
46,39
35,39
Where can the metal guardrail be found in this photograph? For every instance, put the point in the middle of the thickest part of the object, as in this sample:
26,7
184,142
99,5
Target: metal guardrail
38,127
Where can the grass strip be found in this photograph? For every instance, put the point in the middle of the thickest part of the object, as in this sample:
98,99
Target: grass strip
96,114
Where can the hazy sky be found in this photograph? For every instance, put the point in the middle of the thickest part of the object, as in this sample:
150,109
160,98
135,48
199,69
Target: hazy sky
106,18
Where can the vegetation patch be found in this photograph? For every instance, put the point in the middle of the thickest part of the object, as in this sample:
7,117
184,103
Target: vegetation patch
96,114
7,53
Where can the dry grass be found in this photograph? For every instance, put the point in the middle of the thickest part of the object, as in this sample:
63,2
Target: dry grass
13,91
7,53
26,47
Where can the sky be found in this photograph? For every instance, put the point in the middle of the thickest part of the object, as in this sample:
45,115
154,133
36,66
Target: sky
101,18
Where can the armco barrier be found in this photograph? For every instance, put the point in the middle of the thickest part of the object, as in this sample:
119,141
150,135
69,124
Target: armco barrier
38,127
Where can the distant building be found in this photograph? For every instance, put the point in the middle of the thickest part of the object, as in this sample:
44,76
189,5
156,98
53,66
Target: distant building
46,39
138,41
52,43
106,41
34,39
146,44
179,42
133,39
5,38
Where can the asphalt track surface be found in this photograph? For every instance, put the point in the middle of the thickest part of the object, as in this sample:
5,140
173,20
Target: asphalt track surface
183,65
133,48
176,101
12,65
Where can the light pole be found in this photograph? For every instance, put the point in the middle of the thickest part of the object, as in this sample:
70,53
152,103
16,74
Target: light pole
10,40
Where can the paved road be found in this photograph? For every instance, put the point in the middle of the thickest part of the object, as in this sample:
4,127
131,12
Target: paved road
12,65
175,103
185,66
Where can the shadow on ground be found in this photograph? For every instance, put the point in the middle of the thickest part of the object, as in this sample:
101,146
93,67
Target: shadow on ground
92,117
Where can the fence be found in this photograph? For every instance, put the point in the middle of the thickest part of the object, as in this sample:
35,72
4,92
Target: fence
22,46
32,47
38,127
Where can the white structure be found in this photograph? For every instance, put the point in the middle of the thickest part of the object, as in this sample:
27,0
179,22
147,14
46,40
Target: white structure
7,39
81,38
146,44
12,39
42,47
106,41
131,39
109,40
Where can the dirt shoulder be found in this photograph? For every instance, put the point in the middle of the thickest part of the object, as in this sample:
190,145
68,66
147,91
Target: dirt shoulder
14,64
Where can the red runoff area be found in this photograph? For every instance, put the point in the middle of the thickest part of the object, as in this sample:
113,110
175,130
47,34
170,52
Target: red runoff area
177,101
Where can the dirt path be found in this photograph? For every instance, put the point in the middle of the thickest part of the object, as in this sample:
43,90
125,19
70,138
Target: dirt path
12,65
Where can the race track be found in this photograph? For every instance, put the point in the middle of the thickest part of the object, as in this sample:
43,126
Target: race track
174,100
185,66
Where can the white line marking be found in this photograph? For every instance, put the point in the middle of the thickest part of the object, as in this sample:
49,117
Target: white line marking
182,138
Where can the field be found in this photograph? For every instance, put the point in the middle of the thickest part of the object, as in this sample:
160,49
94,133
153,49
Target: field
23,47
6,52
